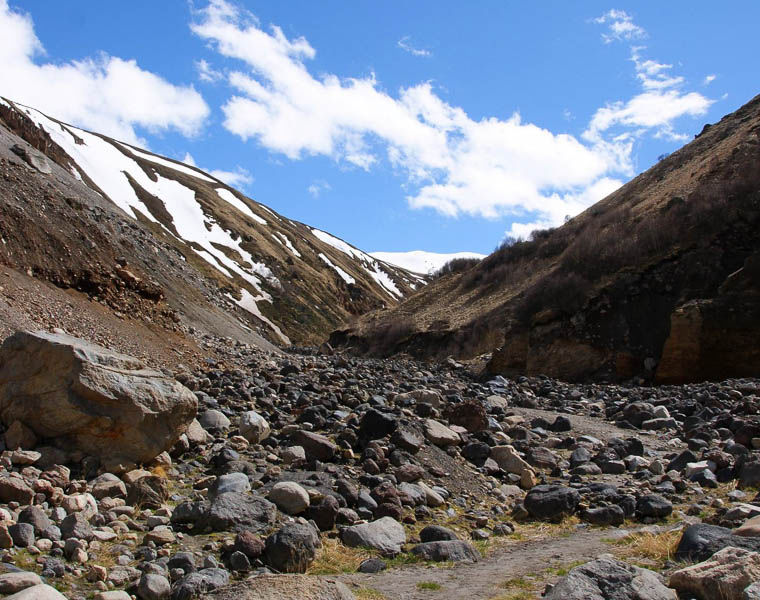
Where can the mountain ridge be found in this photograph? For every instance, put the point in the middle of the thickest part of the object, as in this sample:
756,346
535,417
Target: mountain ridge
294,283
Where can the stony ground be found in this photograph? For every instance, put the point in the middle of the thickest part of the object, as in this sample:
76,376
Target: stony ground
392,479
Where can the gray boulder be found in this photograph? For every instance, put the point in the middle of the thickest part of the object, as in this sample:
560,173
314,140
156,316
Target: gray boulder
231,482
37,592
448,550
386,535
653,506
699,542
76,526
153,587
254,427
200,583
289,497
604,515
609,579
235,511
102,403
10,583
437,533
213,419
293,548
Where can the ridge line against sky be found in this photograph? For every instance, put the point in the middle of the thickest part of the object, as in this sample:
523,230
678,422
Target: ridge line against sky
256,90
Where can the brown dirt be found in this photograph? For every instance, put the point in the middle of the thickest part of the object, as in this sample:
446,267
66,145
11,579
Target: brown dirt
29,303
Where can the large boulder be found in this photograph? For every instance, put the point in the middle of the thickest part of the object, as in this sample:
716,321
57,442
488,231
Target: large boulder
447,550
238,511
609,579
386,535
551,501
724,575
199,583
699,542
437,533
13,582
316,446
105,404
653,506
750,528
254,427
37,592
293,548
277,587
289,497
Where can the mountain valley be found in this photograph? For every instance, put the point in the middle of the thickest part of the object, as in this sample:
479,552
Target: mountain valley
201,398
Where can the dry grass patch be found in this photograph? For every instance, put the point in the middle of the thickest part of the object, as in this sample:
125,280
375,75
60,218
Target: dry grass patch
365,593
653,550
541,529
334,558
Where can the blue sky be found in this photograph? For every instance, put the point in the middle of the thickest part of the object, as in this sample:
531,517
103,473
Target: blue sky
440,126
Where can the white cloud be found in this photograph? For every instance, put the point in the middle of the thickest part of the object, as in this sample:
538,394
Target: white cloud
620,26
206,72
656,108
491,167
406,46
105,93
318,186
240,178
709,79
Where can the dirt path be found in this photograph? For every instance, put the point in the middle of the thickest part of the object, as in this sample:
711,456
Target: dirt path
481,580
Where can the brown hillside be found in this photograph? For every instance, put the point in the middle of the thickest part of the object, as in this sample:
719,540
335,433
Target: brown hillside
659,280
259,274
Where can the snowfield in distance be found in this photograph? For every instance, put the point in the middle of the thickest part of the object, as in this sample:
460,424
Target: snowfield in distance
420,261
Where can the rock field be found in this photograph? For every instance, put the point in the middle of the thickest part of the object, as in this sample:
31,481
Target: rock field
363,477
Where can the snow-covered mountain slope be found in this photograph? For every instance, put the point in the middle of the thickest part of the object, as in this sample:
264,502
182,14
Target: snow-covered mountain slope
420,261
294,282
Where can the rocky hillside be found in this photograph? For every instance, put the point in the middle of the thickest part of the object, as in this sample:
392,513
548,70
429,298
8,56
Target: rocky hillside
659,280
166,243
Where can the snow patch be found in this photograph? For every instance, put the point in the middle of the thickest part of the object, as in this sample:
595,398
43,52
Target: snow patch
284,240
270,211
166,163
345,276
248,302
337,244
383,279
231,198
106,165
369,264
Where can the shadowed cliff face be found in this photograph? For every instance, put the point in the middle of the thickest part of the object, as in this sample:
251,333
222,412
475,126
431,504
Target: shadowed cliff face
658,280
